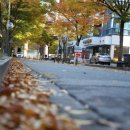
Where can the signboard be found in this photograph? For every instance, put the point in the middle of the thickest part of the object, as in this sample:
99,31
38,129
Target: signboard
88,41
78,54
77,49
86,55
70,44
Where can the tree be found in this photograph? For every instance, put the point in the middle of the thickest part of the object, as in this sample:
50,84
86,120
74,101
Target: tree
26,15
122,9
27,18
53,48
75,18
43,39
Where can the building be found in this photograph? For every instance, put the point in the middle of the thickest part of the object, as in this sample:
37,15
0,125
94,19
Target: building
110,36
35,52
108,40
82,51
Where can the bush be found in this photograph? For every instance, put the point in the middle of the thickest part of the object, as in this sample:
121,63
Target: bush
113,61
1,53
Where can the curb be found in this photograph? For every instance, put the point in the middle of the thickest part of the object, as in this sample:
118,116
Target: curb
109,67
3,67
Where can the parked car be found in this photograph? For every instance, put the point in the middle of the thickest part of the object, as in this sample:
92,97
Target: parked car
19,54
72,60
102,58
51,56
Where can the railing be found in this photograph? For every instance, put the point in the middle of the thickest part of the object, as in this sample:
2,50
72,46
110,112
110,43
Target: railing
114,31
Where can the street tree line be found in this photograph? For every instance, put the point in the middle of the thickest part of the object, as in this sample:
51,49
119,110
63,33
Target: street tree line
83,17
27,17
41,21
122,9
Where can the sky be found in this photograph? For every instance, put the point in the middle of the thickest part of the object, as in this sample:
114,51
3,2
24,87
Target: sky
58,1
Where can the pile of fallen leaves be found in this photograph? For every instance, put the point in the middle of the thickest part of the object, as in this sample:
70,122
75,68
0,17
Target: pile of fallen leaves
23,106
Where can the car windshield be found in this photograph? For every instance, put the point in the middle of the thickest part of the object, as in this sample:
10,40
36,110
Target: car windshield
103,54
19,53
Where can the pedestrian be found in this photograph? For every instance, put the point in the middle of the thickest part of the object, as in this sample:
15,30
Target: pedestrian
76,60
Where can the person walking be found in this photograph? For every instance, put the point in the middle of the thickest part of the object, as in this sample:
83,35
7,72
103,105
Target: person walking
76,60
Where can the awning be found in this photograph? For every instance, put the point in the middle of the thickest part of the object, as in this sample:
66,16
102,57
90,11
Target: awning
94,45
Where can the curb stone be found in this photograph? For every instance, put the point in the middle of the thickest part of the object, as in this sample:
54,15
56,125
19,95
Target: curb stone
4,63
109,67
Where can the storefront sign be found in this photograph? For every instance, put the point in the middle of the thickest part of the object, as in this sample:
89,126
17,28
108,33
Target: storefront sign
86,42
70,44
78,54
77,49
86,54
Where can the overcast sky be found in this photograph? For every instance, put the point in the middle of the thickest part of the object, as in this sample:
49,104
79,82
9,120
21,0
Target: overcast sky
58,1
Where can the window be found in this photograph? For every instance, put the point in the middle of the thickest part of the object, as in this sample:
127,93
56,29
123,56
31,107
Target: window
125,50
116,51
127,26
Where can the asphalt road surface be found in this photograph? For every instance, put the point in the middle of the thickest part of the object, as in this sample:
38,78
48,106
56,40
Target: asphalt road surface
99,98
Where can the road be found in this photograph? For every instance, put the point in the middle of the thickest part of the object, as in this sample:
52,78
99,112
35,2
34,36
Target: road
99,97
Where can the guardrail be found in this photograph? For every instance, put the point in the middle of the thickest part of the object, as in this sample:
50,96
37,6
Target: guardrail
3,68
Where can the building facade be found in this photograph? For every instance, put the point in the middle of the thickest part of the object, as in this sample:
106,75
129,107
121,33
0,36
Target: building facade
108,40
110,36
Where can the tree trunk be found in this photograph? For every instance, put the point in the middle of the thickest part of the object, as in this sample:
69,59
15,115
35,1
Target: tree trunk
78,40
1,28
120,53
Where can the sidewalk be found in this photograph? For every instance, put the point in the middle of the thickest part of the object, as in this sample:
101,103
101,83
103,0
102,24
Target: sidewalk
26,106
112,66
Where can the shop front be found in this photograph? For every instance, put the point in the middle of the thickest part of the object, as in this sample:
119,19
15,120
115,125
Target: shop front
116,51
108,44
99,49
